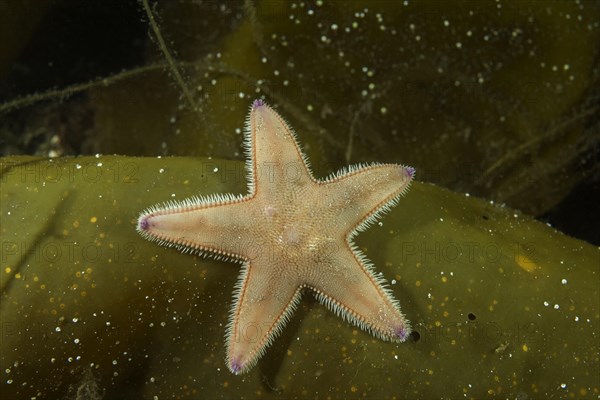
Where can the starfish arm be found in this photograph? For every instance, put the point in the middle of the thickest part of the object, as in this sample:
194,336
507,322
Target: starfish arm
261,309
361,193
348,286
203,225
275,161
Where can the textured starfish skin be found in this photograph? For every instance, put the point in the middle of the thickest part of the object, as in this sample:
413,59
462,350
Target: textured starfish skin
290,232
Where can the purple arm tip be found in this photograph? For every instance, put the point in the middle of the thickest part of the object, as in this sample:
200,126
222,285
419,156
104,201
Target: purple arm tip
258,103
235,367
143,224
411,172
402,332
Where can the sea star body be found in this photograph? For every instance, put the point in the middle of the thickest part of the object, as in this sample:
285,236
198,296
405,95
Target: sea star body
290,232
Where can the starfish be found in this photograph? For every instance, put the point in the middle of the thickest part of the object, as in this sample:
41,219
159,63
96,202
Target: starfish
292,233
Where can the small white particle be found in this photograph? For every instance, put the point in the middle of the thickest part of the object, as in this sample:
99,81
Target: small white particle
57,329
216,169
546,304
564,281
556,306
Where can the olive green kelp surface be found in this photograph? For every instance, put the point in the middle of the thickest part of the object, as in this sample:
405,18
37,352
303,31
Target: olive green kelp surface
502,305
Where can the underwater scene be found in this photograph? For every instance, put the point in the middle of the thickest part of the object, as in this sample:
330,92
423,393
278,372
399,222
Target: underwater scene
268,199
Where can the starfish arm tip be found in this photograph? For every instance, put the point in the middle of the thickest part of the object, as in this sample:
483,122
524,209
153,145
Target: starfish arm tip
236,366
258,103
143,223
410,171
402,332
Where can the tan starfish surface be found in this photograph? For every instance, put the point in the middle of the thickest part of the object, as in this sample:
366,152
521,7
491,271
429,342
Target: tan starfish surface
292,233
